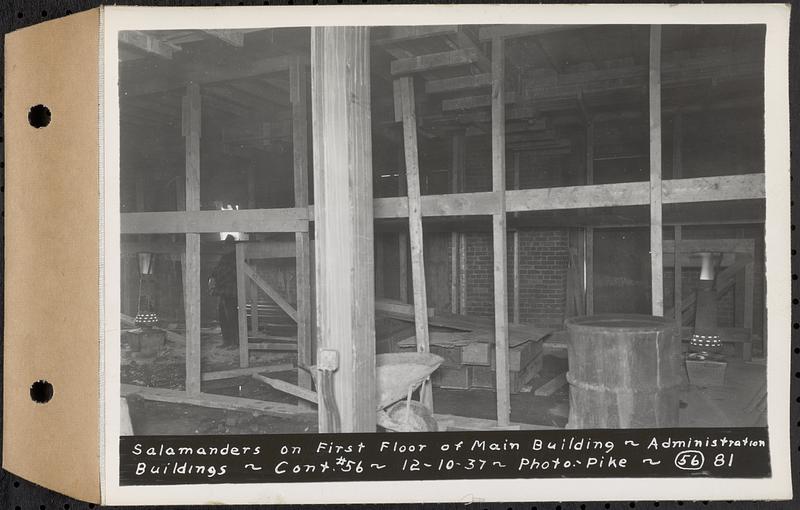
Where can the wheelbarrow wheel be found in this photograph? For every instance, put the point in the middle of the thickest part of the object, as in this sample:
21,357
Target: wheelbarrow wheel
411,417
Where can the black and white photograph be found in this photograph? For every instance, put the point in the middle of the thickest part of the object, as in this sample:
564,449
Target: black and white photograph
459,228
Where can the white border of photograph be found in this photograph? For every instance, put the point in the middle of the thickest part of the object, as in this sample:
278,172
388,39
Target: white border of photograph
776,18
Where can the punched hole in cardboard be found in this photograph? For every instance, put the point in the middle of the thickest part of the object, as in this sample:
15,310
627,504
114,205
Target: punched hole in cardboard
41,391
39,116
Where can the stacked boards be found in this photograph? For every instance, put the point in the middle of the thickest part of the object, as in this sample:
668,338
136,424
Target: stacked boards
467,346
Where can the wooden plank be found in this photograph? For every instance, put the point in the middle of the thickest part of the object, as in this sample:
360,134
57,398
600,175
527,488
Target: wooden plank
269,250
406,91
245,372
233,38
398,307
404,34
701,189
243,220
551,386
286,387
241,301
462,273
458,83
269,290
433,61
147,43
743,246
656,229
713,189
343,215
298,84
492,32
225,71
191,116
272,346
499,233
471,102
213,401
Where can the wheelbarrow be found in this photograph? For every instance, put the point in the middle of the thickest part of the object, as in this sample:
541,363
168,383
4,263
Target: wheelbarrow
398,375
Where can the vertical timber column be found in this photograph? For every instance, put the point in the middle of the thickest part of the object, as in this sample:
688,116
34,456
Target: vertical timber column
456,185
404,90
677,173
499,233
191,120
656,234
242,280
342,142
402,236
588,245
298,86
515,255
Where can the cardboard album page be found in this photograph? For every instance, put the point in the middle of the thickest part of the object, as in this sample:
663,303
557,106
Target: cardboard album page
394,255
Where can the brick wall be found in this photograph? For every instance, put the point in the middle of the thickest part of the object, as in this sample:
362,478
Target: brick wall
543,275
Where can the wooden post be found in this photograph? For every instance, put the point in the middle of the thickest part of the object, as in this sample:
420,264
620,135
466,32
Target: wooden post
402,257
191,258
342,142
515,255
499,234
298,86
588,245
252,297
402,237
747,323
405,88
456,185
677,172
241,301
656,235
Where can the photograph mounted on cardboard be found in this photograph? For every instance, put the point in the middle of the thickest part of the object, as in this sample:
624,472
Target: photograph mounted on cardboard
534,249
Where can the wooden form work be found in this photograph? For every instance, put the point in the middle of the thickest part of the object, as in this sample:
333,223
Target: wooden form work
330,93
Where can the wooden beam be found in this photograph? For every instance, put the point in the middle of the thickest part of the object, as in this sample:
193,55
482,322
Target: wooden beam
656,234
147,43
286,387
191,108
241,311
196,221
492,32
471,102
269,290
233,38
699,189
458,83
345,288
201,73
499,234
272,346
405,89
212,400
298,85
551,386
246,372
434,61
